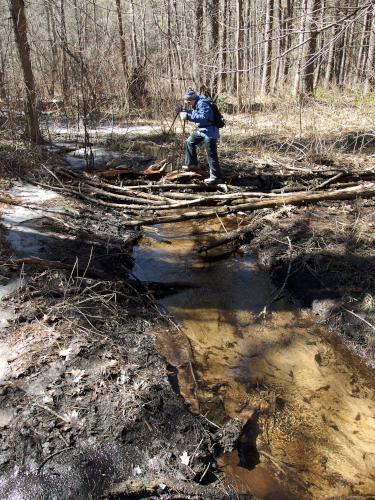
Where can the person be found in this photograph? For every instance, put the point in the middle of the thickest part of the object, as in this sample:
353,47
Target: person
197,109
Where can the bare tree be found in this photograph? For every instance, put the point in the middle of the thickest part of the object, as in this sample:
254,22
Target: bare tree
311,30
17,9
123,53
370,80
239,51
267,64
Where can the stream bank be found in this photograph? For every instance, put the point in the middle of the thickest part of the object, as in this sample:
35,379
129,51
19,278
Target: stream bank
305,405
84,392
267,369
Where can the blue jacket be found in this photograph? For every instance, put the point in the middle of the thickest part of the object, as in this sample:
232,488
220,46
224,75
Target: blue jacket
203,116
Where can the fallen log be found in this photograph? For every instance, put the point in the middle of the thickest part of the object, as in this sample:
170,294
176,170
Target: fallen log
238,235
119,173
235,198
122,189
363,190
91,179
235,235
132,199
199,187
47,264
142,488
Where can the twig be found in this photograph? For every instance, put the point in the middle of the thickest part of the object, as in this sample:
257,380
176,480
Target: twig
222,224
328,181
52,456
359,317
205,472
210,422
280,291
52,412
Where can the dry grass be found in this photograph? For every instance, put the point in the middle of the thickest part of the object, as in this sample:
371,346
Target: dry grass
320,131
19,159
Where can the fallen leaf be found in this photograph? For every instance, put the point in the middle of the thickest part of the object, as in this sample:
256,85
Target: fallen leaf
78,375
185,459
65,353
137,471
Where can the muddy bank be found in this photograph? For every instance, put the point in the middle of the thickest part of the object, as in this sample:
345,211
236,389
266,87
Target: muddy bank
305,407
324,258
242,353
84,393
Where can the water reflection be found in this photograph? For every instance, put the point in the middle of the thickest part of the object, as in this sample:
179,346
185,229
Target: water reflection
315,412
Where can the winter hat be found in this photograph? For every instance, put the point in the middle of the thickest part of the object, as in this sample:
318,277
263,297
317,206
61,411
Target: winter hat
190,95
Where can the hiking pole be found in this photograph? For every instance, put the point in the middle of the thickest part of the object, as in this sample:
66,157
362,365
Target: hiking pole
183,123
174,121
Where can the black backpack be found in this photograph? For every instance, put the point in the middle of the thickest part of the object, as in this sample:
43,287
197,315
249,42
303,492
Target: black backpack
219,121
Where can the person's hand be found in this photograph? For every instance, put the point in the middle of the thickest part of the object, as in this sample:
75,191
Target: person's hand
179,108
183,116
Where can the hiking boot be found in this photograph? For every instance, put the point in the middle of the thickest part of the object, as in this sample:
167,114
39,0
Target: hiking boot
190,168
212,181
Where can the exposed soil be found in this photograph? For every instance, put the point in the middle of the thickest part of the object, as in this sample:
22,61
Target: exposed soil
329,265
99,394
306,406
84,391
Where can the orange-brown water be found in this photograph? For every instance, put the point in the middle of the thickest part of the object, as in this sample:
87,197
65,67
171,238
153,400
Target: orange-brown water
315,432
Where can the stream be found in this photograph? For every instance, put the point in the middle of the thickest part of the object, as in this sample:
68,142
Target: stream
305,404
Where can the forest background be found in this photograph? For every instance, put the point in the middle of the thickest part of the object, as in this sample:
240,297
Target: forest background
98,58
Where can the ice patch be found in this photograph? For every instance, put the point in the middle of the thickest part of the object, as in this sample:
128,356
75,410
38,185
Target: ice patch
96,157
31,193
6,416
5,355
106,130
25,240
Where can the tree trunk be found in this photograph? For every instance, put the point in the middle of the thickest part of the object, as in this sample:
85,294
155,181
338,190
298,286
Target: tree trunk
288,37
3,92
17,8
213,16
123,54
198,43
267,65
239,52
341,69
320,42
64,62
301,50
370,80
52,39
134,35
279,29
362,45
223,58
169,36
311,28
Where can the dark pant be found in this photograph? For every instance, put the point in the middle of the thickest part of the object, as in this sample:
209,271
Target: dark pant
211,150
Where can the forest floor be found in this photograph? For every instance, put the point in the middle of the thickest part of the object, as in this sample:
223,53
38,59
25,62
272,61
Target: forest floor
89,408
326,249
84,391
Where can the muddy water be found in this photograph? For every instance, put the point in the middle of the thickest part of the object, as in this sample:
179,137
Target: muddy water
308,410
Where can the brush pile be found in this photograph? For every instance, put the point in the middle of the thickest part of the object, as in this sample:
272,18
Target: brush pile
143,202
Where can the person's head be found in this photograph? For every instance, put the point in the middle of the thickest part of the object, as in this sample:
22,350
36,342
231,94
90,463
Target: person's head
191,97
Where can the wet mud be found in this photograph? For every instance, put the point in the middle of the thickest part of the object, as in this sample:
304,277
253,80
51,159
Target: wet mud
86,406
314,431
